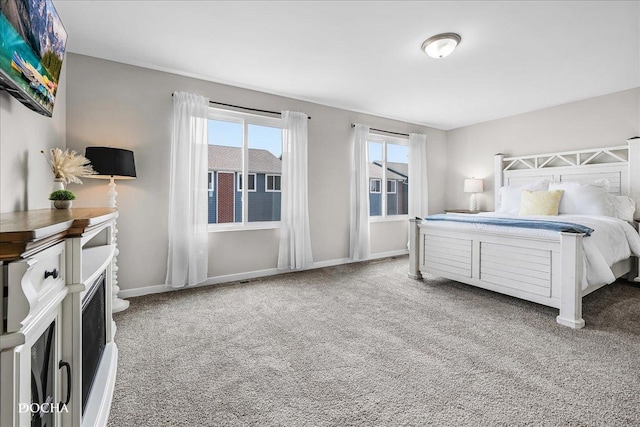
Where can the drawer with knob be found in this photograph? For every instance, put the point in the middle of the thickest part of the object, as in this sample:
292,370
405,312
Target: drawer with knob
32,283
47,268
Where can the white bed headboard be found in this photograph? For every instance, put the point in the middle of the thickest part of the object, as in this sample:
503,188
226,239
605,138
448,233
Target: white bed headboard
619,165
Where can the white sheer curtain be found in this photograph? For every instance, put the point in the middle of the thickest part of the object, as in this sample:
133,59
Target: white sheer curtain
187,262
359,247
418,192
295,237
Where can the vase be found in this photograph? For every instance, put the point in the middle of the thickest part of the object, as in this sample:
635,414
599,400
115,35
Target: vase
62,204
58,184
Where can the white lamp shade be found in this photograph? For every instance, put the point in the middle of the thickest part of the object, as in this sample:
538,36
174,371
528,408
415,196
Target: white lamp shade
441,45
473,185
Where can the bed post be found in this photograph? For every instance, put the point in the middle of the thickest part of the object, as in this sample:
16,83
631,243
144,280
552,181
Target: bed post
498,179
414,249
634,169
571,281
634,192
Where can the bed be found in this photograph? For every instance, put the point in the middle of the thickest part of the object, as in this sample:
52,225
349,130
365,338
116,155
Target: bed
542,266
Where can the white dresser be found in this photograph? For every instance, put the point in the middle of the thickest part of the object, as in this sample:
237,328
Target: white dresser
58,360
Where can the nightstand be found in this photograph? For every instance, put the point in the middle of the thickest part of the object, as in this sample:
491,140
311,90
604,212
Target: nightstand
462,211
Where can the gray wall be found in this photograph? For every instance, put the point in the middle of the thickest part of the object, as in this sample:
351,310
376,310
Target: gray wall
130,107
108,103
25,176
592,123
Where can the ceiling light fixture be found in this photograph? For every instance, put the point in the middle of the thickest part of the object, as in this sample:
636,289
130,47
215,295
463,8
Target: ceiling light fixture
441,45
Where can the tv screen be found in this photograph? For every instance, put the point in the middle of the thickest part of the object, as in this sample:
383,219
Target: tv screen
32,43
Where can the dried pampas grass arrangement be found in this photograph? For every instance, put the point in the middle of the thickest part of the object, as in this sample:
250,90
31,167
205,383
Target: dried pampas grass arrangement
69,165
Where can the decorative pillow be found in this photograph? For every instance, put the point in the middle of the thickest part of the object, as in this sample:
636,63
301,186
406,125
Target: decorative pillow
624,208
540,202
583,199
510,195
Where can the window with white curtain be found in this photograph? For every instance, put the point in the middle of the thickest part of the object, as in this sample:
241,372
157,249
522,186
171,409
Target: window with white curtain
244,148
388,162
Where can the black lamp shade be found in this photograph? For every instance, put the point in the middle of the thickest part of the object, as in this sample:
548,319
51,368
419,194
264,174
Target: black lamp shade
111,162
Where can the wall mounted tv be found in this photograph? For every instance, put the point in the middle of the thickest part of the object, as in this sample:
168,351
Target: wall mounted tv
32,44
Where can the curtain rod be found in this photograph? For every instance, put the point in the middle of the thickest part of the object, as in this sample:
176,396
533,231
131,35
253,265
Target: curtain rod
385,131
247,108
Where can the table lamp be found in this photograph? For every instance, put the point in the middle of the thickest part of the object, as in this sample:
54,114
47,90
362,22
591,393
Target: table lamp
473,186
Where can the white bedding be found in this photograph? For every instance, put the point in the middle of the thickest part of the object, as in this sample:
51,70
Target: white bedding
613,240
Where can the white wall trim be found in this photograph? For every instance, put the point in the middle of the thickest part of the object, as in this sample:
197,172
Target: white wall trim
146,290
399,252
157,289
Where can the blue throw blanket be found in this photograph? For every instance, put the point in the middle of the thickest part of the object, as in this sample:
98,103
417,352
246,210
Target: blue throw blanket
514,222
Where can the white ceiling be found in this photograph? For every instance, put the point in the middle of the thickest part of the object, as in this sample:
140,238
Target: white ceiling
515,56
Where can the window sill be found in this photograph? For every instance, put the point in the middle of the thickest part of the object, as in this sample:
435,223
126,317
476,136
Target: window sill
217,228
389,218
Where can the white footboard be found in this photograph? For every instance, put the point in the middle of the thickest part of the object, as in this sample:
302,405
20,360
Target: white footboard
543,270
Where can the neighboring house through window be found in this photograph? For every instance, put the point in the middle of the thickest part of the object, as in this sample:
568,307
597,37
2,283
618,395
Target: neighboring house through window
244,148
388,162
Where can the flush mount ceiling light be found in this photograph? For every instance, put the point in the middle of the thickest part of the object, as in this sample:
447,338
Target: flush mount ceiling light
441,45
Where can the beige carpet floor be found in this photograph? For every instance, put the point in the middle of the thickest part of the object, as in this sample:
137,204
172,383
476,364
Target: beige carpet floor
363,345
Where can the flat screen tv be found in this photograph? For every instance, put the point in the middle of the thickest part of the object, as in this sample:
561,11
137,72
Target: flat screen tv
32,44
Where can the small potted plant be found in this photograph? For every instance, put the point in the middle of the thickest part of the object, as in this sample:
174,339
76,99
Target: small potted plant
62,199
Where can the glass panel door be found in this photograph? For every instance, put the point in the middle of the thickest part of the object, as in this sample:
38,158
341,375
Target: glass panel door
42,379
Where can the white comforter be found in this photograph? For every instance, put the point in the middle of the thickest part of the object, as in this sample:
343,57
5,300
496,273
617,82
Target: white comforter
613,240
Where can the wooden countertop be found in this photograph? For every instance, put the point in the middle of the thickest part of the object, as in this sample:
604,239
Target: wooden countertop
27,231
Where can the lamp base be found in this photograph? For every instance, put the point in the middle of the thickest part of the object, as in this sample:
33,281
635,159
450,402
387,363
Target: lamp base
473,203
118,304
112,193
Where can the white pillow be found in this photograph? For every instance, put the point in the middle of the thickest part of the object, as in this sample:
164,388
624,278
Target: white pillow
583,199
623,207
510,195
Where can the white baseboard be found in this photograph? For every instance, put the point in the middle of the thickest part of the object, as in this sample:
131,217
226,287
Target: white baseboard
157,289
330,263
341,261
390,254
238,277
146,290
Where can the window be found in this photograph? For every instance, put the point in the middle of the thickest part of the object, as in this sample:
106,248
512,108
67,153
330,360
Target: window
244,148
210,185
391,186
274,183
374,185
252,182
388,162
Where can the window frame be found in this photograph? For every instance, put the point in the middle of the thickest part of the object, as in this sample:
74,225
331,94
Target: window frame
384,140
255,182
211,181
395,186
373,180
245,119
266,183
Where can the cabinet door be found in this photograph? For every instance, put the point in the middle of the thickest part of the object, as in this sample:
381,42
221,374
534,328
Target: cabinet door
30,383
